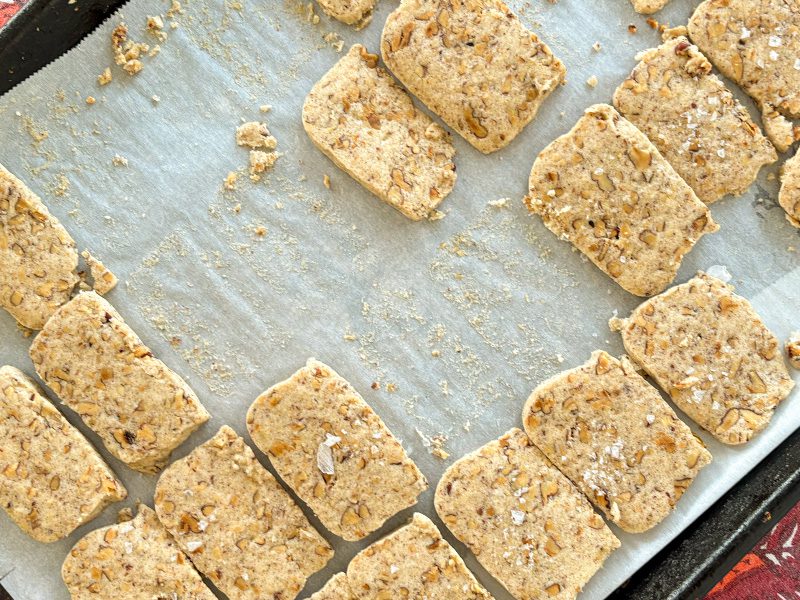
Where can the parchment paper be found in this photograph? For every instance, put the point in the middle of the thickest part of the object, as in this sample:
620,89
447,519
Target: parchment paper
445,327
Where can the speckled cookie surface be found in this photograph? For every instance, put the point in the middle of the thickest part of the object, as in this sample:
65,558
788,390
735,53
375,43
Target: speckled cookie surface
236,523
334,451
368,125
614,437
606,189
350,12
337,588
135,560
38,257
100,368
789,196
523,519
413,562
648,7
709,350
705,134
52,480
472,63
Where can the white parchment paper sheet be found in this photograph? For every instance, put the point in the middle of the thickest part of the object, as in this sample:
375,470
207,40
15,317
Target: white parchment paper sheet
337,274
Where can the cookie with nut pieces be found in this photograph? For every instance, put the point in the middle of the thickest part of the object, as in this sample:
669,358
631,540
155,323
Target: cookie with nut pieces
349,12
789,196
337,588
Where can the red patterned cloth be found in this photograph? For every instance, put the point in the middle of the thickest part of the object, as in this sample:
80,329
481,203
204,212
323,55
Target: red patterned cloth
9,9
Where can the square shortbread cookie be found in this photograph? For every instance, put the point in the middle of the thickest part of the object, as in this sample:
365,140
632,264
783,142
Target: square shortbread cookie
789,196
472,63
334,451
523,519
614,437
605,188
369,127
709,350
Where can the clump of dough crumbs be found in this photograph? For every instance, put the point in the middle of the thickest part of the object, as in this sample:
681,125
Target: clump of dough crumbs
256,136
127,53
793,349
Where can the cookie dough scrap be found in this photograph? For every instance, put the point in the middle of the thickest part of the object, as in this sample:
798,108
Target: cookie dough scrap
693,119
337,588
793,349
709,350
648,7
334,451
473,63
103,280
349,12
38,258
53,480
368,126
413,562
523,519
789,196
135,560
756,44
614,437
606,189
236,523
100,368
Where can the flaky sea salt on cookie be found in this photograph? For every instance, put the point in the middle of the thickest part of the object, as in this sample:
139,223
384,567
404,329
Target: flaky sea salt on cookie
236,523
523,519
648,7
606,189
350,12
473,63
789,196
693,119
52,480
413,562
334,451
38,257
709,350
100,368
616,439
368,125
134,560
337,588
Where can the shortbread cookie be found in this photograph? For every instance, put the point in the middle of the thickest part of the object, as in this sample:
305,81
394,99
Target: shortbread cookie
648,7
350,12
472,63
134,560
709,350
789,196
793,349
413,562
52,480
100,368
604,187
367,124
38,257
524,521
693,119
614,437
756,44
337,588
236,523
334,451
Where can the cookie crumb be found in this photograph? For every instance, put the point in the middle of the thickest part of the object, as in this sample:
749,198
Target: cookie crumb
90,100
255,135
597,47
103,280
326,181
592,81
119,161
105,77
260,162
230,180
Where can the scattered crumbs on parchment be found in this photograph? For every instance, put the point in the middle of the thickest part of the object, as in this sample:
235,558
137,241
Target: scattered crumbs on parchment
105,77
119,161
61,187
500,203
435,444
592,81
256,136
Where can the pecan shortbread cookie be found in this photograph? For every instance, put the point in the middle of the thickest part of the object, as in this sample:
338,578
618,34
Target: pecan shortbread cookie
473,63
100,368
523,519
616,439
756,44
337,455
709,350
648,7
349,12
236,523
368,126
38,258
337,588
413,562
605,188
134,560
52,480
789,196
693,119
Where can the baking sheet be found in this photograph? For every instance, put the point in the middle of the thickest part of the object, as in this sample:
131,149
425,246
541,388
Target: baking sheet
445,327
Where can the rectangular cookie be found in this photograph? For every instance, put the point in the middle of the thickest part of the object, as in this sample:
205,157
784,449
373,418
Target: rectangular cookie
472,63
756,44
648,7
605,188
709,350
349,12
693,119
334,451
789,196
134,560
614,437
368,126
413,562
52,480
524,521
236,523
38,258
337,588
100,368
